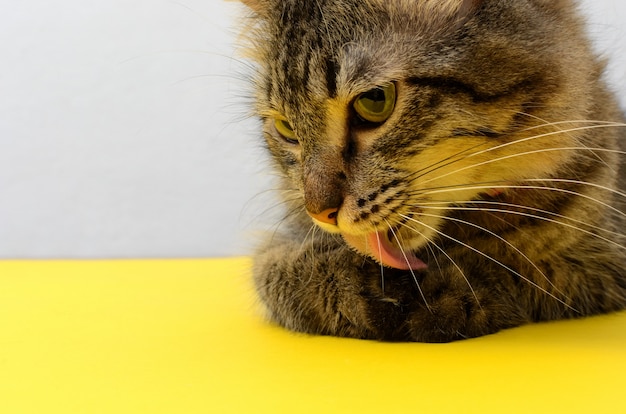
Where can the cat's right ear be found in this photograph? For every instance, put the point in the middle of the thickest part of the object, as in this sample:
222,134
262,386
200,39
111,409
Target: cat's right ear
257,6
468,6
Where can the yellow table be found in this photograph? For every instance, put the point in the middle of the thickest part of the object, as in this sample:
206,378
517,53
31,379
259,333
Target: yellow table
185,336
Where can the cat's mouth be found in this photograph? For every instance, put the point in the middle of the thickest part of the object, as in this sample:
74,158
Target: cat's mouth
384,248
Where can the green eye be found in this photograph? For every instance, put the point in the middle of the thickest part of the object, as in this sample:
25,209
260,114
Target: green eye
285,129
376,105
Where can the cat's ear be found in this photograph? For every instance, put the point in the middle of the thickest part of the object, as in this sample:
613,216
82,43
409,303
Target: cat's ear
468,6
434,14
257,6
462,9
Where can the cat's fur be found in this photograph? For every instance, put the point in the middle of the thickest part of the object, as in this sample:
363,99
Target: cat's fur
498,167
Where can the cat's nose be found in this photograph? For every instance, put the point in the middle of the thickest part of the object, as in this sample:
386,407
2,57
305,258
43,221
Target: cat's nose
328,216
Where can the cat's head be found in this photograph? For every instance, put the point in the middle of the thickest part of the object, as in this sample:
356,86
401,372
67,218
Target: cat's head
382,114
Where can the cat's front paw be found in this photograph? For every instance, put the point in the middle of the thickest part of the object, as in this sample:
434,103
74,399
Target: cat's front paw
314,288
462,314
331,290
437,307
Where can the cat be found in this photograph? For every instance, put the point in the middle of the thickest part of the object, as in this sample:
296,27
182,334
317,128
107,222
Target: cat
449,168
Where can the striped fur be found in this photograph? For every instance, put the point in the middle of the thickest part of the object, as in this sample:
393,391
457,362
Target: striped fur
497,169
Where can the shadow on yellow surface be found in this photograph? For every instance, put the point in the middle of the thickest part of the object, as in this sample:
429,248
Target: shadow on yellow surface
185,336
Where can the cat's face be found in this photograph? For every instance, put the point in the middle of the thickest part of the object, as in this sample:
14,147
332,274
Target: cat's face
385,114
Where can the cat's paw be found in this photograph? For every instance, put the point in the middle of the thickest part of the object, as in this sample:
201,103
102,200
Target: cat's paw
331,290
448,319
427,307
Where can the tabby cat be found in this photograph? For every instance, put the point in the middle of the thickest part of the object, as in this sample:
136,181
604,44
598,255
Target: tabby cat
449,167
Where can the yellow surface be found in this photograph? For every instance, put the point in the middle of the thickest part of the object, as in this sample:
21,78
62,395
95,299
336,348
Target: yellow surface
185,336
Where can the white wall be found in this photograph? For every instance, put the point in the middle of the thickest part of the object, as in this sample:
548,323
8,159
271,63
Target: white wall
123,130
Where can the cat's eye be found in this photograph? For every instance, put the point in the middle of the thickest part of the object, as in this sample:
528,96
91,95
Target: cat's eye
376,105
285,129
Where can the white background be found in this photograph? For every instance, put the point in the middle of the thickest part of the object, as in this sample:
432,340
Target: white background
124,128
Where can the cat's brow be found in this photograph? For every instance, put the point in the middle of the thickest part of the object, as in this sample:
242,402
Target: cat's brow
454,86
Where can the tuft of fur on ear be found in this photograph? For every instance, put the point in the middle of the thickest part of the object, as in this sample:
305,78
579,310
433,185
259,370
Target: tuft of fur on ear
257,6
432,14
460,9
467,7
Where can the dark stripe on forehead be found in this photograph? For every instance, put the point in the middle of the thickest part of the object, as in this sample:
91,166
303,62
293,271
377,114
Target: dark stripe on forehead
331,77
269,86
302,61
306,67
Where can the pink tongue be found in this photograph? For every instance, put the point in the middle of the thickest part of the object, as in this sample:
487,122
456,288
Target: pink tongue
380,248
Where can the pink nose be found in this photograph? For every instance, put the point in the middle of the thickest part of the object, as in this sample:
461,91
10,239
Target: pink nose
328,216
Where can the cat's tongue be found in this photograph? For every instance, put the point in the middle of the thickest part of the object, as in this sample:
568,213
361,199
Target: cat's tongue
378,246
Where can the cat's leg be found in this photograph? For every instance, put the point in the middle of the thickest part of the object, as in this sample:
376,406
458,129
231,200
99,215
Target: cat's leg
475,303
317,288
324,288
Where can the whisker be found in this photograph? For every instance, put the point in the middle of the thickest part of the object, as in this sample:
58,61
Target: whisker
310,232
577,121
499,263
262,215
382,268
590,233
498,184
515,248
568,181
284,201
451,159
527,187
419,288
432,243
519,154
431,251
595,150
546,123
291,212
442,163
459,207
548,134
